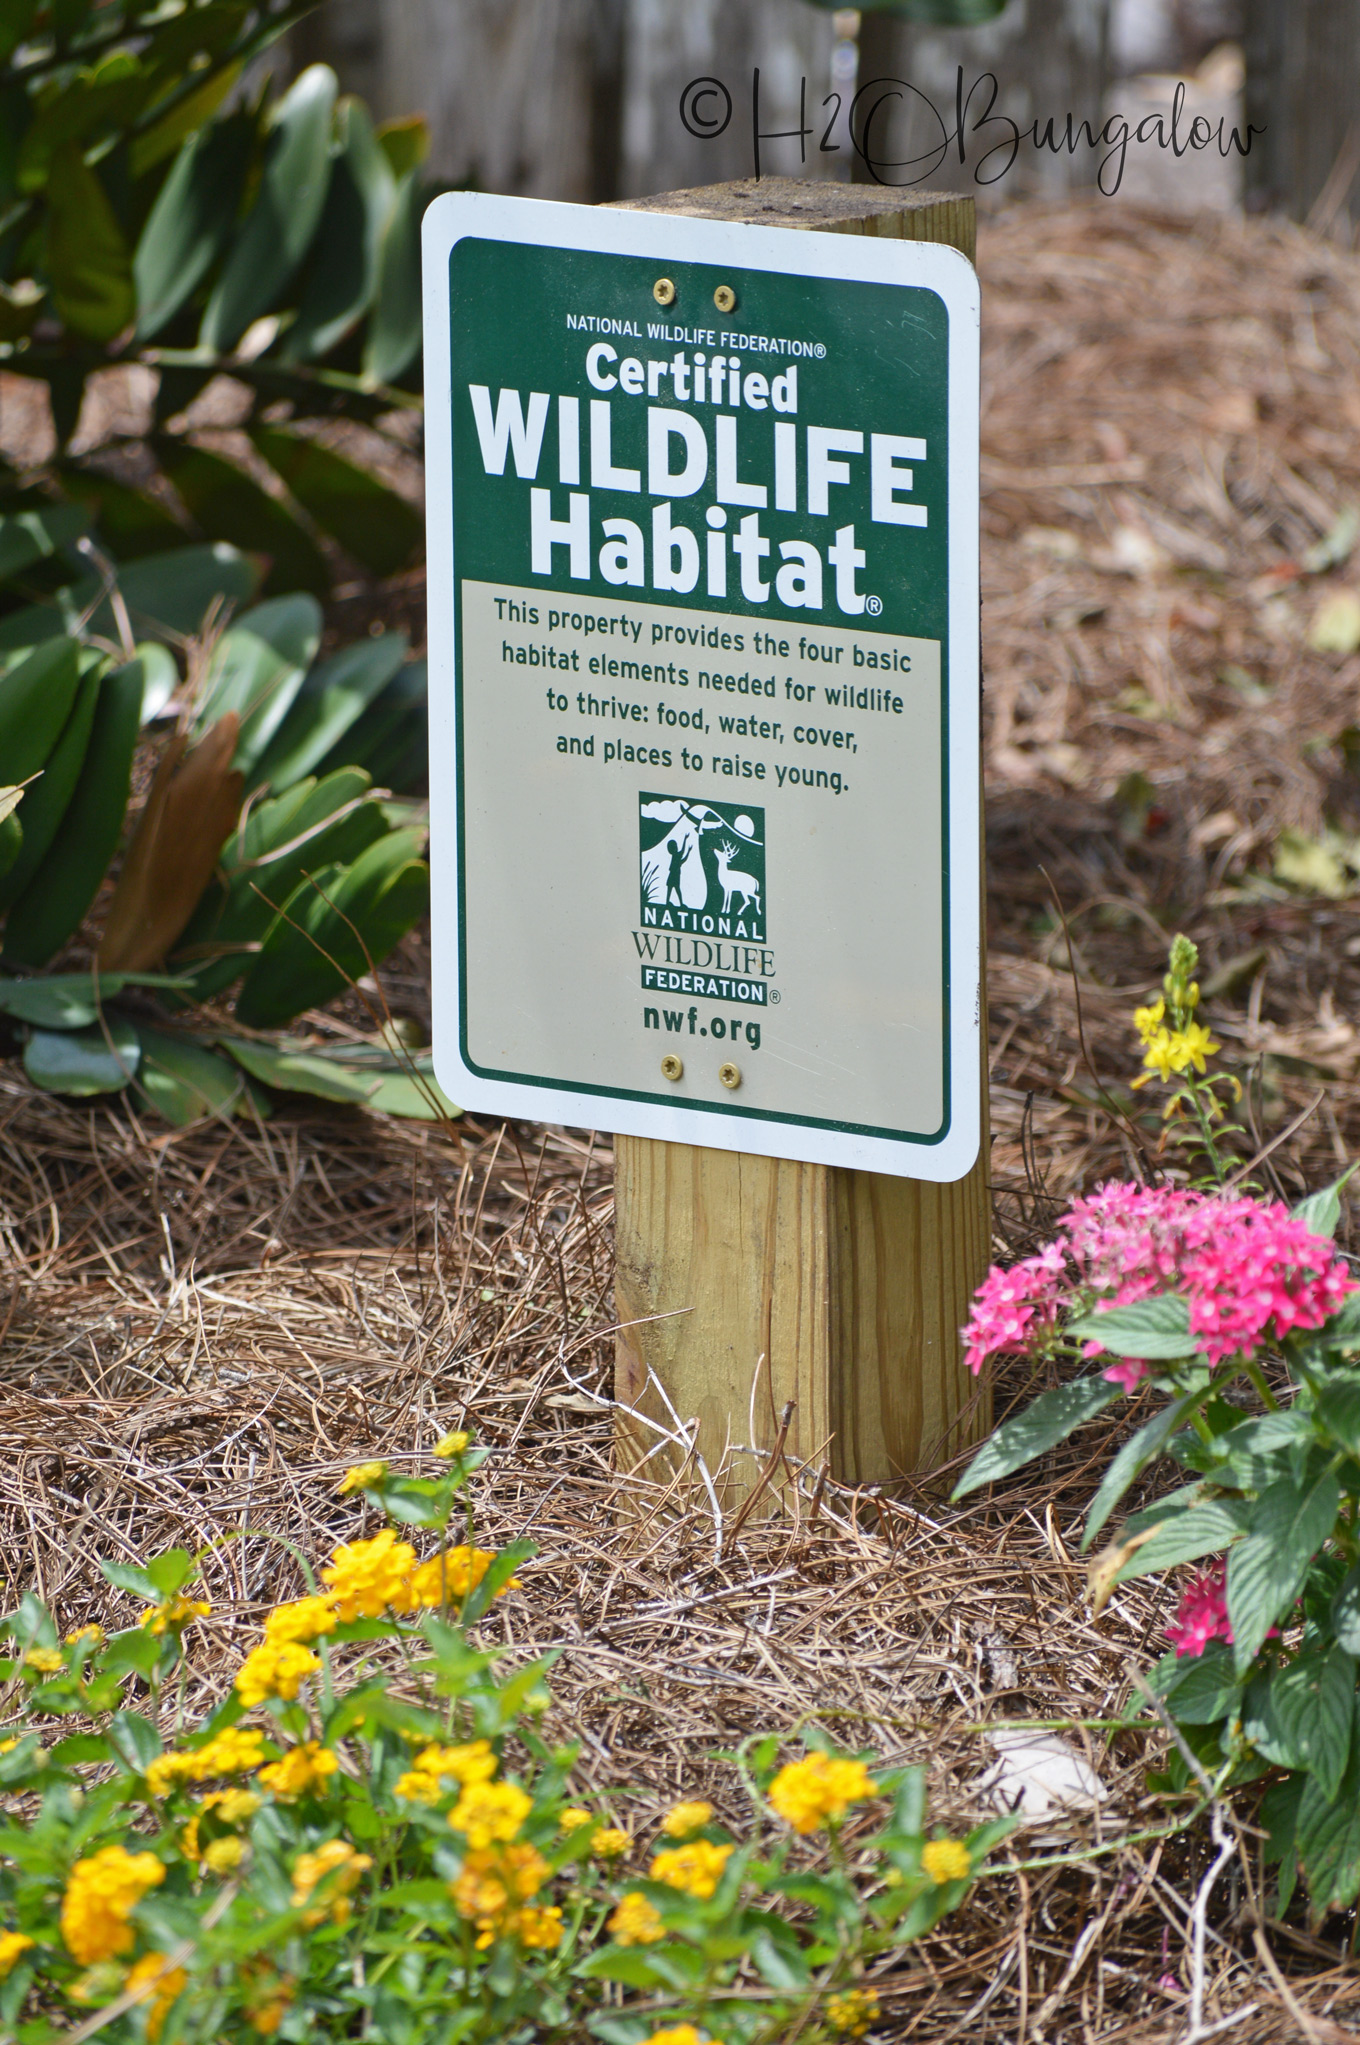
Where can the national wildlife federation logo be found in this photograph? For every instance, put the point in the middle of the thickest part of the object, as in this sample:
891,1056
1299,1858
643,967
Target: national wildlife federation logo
702,866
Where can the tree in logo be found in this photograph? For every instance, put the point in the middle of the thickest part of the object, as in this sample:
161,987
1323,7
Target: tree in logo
702,858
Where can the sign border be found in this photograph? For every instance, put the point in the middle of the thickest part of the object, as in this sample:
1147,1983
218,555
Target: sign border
949,1153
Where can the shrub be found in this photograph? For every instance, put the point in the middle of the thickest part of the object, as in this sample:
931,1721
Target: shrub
1235,1325
369,1834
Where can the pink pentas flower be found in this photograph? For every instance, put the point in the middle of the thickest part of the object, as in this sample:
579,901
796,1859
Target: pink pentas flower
1202,1615
1012,1308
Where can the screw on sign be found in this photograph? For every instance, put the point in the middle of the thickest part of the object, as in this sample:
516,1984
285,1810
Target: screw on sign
704,720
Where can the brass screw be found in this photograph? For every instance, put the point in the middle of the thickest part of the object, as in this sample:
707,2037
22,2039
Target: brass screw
730,1075
663,291
672,1067
725,298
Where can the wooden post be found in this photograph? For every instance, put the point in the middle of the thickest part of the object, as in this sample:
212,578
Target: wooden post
851,1287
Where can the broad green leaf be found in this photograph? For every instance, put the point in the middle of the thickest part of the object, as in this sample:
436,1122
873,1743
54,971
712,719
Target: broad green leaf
334,695
89,265
1346,1611
11,830
1185,1537
230,505
134,1739
171,1570
137,1648
498,1574
1321,1211
130,523
29,536
1279,1814
184,1080
83,1061
46,801
278,229
1052,1417
296,1071
51,907
1328,1840
1207,1690
1338,1410
343,271
161,678
628,1964
1313,1703
416,1097
1342,1331
173,591
187,115
380,737
36,697
81,1747
405,142
380,529
1156,1329
190,224
1134,1457
69,1001
395,328
333,929
1267,1569
257,670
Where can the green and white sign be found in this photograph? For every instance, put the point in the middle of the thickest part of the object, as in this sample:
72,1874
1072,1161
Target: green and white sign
704,680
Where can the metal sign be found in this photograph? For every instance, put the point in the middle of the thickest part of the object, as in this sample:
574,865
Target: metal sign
703,604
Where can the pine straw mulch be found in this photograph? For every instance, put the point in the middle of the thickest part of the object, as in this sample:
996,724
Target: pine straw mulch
202,1329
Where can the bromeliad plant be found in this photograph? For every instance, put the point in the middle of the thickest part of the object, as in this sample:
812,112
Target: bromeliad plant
370,1834
1235,1327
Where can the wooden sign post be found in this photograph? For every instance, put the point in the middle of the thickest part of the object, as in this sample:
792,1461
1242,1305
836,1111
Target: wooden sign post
702,501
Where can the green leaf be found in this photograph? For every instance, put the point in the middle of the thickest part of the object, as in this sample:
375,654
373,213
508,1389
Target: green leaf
89,266
1052,1417
11,830
334,695
136,1649
36,697
379,739
1279,1814
1342,1331
1185,1537
497,1576
405,142
372,523
47,801
184,1080
297,1071
627,1964
1134,1457
275,640
29,536
333,929
1321,1211
1328,1840
1313,1702
80,1747
1156,1329
130,523
227,504
1337,1409
171,1570
52,906
1346,1611
172,592
343,273
415,1097
1267,1569
83,1061
68,1001
394,330
278,229
162,678
128,1576
1207,1691
134,1739
190,224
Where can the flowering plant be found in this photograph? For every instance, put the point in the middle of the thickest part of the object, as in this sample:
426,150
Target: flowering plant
1235,1326
369,1836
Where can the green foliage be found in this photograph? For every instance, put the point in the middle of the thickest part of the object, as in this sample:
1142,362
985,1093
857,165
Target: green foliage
370,1835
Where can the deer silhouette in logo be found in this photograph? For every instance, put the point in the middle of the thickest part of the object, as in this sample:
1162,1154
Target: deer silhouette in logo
733,881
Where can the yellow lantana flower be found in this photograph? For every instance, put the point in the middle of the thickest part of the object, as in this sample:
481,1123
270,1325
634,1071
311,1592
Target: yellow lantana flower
221,1856
946,1860
424,1781
490,1811
452,1444
270,1671
852,2012
574,1816
609,1843
636,1921
172,1615
694,1868
365,1577
44,1661
818,1790
335,1863
155,1980
360,1477
677,2034
13,1946
303,1770
683,1819
303,1619
93,1633
102,1892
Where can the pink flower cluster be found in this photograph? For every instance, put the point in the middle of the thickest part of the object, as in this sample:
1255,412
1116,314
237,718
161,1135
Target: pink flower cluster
1202,1615
1250,1273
